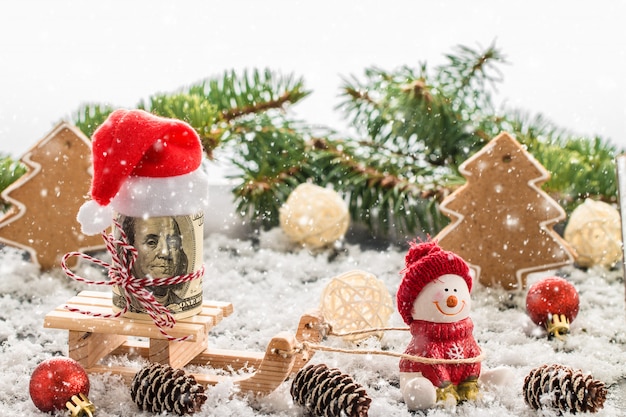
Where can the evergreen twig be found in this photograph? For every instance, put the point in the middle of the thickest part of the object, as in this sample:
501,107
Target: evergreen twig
10,171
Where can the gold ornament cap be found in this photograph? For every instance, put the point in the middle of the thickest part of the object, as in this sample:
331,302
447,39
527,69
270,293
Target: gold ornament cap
558,326
80,406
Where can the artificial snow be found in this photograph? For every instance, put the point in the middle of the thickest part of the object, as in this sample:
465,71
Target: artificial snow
271,283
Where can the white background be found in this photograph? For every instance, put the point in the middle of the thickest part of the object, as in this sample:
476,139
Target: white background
567,58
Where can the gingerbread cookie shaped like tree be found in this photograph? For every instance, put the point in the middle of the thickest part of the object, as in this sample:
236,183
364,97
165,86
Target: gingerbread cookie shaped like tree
502,222
41,219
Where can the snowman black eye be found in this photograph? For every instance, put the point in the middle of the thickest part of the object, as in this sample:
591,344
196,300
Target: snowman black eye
455,290
446,290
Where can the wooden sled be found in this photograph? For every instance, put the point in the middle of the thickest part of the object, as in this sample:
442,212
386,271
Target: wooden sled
94,339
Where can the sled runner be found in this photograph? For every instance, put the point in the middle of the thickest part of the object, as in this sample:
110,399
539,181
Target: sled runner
94,339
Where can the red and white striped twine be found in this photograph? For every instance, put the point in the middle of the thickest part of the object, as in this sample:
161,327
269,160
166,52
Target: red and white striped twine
119,272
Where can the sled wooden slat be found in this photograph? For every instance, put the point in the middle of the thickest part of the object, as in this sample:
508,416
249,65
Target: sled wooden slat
128,373
104,299
227,358
62,318
215,358
93,338
276,366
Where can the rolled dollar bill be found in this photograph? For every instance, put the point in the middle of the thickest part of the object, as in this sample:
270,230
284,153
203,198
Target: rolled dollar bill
166,247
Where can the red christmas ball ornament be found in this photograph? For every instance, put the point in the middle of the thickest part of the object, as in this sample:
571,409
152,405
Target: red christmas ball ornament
61,383
553,303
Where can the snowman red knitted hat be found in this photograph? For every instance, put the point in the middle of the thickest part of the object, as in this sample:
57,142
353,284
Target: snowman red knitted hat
143,166
425,262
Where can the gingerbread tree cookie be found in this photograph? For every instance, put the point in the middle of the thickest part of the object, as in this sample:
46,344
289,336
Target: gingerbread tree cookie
501,219
44,201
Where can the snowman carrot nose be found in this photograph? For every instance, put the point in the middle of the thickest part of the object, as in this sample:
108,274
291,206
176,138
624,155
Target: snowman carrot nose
452,301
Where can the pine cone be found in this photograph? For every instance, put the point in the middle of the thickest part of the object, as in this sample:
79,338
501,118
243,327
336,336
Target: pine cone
563,388
159,388
326,392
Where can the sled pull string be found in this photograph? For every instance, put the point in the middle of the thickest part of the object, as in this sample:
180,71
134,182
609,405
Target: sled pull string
307,347
123,256
365,331
325,329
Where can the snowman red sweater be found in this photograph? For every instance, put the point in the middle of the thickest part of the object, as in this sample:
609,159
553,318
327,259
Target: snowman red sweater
443,341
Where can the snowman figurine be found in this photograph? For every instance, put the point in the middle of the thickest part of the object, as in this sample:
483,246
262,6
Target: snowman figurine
434,300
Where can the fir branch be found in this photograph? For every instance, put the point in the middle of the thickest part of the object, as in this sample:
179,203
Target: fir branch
472,67
10,171
272,160
358,95
251,92
375,178
434,114
381,194
286,97
418,89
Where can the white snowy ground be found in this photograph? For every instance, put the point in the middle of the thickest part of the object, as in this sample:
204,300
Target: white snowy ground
270,284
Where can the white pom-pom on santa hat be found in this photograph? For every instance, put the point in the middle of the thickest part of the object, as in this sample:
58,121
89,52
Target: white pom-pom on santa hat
144,166
94,218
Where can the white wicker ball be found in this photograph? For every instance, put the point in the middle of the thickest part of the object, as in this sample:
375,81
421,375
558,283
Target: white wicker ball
314,216
594,232
356,300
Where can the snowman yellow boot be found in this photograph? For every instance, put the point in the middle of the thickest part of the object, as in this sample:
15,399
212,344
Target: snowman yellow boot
468,390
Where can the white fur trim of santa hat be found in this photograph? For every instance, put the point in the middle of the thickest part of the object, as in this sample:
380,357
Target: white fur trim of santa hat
149,197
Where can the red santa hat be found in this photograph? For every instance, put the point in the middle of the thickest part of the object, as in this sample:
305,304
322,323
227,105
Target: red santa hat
425,262
143,166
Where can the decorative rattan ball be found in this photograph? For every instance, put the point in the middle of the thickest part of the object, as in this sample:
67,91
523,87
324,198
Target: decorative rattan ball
594,232
356,300
314,216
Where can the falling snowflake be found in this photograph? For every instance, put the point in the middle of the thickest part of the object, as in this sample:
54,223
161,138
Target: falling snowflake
456,352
